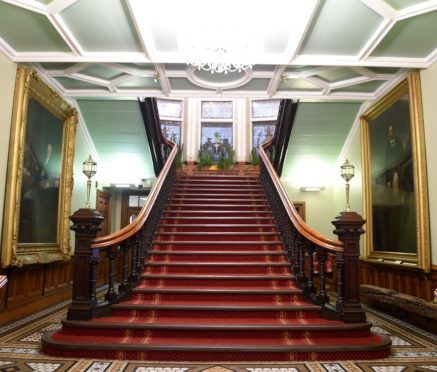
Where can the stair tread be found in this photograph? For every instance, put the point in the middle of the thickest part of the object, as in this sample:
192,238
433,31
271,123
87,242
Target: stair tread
213,264
224,253
221,290
247,225
216,276
202,307
254,344
274,324
221,233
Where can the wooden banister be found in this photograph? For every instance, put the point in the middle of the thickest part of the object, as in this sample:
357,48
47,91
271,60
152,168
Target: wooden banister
129,230
126,249
305,230
304,245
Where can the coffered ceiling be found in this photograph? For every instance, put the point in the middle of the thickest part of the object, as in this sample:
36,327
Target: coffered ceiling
341,52
313,49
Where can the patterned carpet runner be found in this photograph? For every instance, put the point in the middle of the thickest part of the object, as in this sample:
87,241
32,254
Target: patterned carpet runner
217,287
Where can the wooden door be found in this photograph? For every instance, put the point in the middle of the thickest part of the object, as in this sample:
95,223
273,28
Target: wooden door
131,203
104,207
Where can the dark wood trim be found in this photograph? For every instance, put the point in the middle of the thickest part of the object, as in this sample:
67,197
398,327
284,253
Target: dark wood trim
409,281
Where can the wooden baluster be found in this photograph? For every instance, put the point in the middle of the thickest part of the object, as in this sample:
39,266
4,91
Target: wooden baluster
309,284
86,225
111,295
301,257
138,247
339,264
348,227
322,296
124,248
133,276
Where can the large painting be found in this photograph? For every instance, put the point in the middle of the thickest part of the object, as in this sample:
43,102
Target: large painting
395,201
39,180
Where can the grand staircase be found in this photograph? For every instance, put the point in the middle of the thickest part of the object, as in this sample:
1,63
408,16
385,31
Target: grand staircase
217,286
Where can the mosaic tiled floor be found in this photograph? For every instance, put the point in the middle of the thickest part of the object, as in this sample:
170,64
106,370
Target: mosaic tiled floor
413,350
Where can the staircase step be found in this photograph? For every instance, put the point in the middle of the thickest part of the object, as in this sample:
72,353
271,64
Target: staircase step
219,215
213,190
201,237
221,177
208,268
254,297
216,220
156,332
217,256
216,196
217,207
214,281
224,227
215,201
67,346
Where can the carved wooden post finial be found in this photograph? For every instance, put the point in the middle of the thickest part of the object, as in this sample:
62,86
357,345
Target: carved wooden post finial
349,228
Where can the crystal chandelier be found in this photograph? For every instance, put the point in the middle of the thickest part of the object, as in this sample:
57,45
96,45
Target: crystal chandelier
220,50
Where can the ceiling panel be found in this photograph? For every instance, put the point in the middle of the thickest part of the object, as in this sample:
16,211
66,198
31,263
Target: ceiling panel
401,4
102,26
27,31
414,37
366,87
117,130
337,31
74,84
101,72
337,74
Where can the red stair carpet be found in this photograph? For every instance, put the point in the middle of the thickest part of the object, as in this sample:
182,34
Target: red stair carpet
217,287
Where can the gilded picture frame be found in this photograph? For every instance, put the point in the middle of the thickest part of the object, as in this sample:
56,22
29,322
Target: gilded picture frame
40,174
394,179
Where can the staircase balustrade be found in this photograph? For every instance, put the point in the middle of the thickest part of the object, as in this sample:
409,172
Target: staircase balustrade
303,244
126,249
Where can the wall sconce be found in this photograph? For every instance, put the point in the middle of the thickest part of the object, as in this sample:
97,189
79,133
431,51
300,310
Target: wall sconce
284,79
156,78
312,188
347,172
89,169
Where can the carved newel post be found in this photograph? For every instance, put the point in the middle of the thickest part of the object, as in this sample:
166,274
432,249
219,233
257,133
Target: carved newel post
86,225
349,227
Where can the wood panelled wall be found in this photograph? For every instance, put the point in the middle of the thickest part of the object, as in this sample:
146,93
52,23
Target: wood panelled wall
407,281
34,288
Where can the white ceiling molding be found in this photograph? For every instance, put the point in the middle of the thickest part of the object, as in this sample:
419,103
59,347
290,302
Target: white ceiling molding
381,7
145,37
295,44
6,49
417,9
383,29
90,79
65,33
238,82
57,6
275,80
163,79
31,5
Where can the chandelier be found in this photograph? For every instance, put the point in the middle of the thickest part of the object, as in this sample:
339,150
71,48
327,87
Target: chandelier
220,50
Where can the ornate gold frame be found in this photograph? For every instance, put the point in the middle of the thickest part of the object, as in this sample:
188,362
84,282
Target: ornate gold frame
28,84
420,259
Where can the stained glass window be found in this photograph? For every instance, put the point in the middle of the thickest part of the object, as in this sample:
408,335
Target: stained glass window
170,113
169,108
265,109
217,110
261,132
171,130
216,138
264,116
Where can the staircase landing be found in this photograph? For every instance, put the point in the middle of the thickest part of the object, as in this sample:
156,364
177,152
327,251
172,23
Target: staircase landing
217,286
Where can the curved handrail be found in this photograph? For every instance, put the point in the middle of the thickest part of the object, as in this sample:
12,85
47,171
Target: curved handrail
129,230
301,226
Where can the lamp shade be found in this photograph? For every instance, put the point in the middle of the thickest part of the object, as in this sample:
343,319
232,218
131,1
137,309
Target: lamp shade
89,167
347,171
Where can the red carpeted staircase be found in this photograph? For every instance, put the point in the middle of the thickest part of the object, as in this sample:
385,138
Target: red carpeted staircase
217,287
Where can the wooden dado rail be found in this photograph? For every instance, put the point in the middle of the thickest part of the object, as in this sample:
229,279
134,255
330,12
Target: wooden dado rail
126,249
303,243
